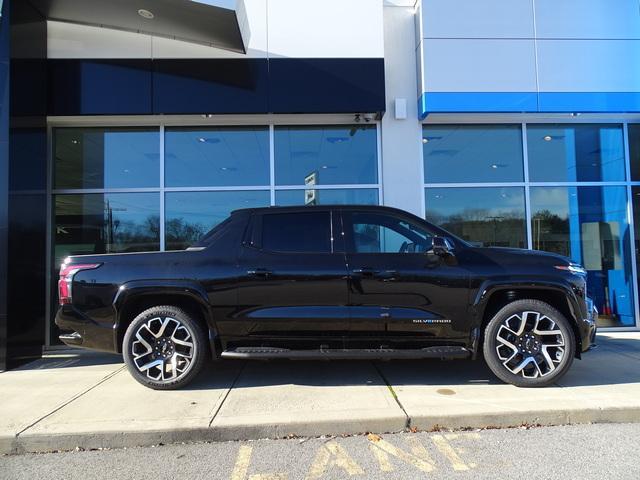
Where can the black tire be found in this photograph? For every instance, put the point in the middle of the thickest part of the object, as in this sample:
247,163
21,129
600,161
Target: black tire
176,329
546,360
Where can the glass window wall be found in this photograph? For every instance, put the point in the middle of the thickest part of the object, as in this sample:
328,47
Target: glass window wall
101,158
575,153
573,200
482,216
472,153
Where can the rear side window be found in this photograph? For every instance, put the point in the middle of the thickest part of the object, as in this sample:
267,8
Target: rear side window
308,232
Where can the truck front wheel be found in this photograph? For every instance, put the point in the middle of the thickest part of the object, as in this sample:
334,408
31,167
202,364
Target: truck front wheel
164,348
528,343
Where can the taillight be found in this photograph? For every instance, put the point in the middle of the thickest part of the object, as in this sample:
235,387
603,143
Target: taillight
66,277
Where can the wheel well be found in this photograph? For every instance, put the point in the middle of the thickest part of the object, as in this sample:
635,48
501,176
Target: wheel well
553,297
138,304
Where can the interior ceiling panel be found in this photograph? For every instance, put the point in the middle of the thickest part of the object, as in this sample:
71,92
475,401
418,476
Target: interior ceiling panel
214,24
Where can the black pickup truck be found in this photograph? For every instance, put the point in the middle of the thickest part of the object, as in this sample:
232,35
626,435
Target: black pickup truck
329,282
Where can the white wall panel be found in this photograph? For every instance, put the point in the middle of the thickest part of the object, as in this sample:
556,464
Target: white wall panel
401,139
68,40
479,65
477,18
589,65
326,28
588,19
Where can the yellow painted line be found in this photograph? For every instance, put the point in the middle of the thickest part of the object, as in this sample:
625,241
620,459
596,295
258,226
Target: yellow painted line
242,463
443,445
332,454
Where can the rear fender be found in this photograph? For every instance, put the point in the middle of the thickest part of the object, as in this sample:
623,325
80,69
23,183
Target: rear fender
138,289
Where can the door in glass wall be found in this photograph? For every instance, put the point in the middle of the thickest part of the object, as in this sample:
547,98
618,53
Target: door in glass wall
589,224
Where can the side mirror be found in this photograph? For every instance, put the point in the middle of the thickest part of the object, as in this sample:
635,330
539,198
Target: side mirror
440,246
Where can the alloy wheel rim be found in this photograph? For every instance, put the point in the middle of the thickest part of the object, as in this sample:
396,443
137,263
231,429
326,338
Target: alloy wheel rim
164,349
530,344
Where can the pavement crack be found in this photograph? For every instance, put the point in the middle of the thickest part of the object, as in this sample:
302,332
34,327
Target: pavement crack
394,395
72,399
224,399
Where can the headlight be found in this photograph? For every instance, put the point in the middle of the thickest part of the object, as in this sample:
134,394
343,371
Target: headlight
573,268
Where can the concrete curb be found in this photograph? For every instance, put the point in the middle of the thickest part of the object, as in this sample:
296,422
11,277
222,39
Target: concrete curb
230,431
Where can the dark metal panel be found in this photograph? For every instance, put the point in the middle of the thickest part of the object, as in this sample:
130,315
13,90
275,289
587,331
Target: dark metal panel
326,85
27,207
4,177
210,86
99,87
180,19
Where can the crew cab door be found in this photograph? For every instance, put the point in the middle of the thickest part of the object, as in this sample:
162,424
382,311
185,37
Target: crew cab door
397,289
293,281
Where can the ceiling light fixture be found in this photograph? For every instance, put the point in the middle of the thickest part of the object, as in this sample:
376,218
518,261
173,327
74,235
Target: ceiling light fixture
547,138
146,14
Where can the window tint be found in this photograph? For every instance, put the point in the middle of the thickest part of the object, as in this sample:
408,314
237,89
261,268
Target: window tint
297,232
374,233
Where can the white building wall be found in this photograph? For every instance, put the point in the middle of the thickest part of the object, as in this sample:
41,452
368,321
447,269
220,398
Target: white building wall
537,46
401,139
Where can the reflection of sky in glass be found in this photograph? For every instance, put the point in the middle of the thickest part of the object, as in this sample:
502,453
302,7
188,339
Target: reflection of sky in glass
575,153
472,153
210,208
107,158
479,202
360,196
234,156
337,154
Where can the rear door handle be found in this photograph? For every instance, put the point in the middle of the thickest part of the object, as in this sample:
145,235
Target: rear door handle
259,272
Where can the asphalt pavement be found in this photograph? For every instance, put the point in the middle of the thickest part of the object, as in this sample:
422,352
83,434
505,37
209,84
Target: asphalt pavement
600,451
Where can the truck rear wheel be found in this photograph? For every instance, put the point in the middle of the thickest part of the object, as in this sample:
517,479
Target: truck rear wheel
164,348
528,343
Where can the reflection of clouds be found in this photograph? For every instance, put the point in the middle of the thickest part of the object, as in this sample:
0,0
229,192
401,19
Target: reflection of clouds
475,202
554,199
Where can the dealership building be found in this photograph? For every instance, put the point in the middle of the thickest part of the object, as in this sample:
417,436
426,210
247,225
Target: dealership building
137,125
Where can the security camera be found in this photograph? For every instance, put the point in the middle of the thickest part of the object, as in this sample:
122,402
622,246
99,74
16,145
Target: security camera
368,117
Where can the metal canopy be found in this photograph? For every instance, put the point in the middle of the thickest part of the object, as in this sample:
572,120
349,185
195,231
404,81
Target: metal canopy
213,23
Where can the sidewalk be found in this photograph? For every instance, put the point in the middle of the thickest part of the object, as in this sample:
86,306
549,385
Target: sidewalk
89,400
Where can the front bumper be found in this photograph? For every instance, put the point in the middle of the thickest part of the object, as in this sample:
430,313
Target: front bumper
588,327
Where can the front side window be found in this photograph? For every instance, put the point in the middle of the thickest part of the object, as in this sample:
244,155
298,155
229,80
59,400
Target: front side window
375,233
297,232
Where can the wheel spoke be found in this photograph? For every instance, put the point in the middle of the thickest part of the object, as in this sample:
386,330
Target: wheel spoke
530,344
163,349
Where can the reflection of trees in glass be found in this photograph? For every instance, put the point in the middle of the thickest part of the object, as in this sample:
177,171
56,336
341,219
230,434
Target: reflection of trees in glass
484,226
180,233
550,232
132,236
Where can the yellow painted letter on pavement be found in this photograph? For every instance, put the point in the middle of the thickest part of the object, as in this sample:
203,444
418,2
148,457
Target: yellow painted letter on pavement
448,451
419,457
242,466
331,453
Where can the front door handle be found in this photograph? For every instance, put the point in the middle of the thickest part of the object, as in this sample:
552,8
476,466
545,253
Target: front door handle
259,272
365,271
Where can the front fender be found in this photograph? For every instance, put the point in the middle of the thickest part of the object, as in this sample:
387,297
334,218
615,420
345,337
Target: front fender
489,287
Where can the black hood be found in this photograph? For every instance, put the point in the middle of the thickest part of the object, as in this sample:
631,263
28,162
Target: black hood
521,257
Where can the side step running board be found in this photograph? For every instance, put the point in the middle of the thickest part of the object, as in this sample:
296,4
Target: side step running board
263,353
